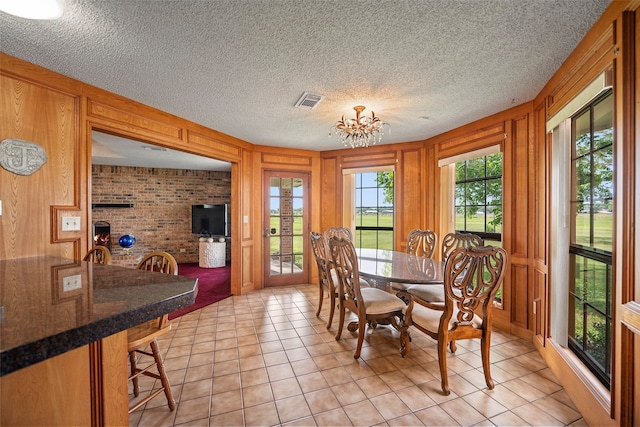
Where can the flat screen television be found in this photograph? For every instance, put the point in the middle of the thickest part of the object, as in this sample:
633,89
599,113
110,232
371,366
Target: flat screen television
210,220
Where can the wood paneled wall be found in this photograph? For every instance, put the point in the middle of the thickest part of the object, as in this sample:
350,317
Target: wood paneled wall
59,113
32,205
610,45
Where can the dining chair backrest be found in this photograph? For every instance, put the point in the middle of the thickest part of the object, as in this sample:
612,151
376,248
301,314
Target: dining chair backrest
422,243
98,255
345,261
318,245
471,280
159,261
340,232
453,241
320,254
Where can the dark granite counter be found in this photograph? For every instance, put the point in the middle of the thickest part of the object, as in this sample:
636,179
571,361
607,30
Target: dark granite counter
50,305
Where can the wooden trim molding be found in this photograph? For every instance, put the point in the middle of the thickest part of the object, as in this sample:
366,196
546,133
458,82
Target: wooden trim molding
156,128
57,215
630,316
625,157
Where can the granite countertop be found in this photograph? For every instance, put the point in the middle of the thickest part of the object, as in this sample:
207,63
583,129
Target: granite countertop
50,305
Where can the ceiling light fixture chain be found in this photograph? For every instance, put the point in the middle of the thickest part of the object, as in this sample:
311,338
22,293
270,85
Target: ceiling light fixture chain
361,131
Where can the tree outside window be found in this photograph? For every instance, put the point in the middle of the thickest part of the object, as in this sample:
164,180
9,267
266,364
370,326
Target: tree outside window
479,197
374,210
590,321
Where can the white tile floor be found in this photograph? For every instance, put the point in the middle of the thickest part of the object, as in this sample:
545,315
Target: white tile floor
265,359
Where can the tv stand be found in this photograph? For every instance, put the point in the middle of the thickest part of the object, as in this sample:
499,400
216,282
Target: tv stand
211,253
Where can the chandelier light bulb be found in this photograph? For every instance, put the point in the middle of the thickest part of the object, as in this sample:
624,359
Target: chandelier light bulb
361,131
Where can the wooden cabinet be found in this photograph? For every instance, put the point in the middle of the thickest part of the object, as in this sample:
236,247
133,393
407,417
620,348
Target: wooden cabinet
82,387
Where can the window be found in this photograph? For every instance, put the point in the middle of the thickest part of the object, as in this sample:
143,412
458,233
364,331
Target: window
374,210
591,236
479,197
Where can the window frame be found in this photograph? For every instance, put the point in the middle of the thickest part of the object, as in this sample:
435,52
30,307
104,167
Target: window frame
578,346
357,204
485,235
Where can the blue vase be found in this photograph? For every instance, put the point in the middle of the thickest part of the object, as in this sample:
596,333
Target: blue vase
127,241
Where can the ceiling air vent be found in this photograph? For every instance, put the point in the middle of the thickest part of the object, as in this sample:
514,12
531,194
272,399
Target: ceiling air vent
308,101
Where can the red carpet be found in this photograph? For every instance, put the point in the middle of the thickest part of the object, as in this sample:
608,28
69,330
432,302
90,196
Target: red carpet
214,284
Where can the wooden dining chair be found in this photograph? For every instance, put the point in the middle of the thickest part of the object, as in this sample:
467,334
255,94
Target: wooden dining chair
420,243
472,278
98,254
325,279
371,305
339,232
146,334
453,241
450,242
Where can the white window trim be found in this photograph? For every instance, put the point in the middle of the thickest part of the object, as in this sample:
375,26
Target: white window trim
486,151
599,85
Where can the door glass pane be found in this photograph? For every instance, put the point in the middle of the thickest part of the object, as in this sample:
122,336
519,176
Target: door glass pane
297,225
298,245
298,204
297,187
274,186
274,247
275,206
286,226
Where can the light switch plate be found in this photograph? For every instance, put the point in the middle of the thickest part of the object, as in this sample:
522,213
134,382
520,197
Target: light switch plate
70,223
71,283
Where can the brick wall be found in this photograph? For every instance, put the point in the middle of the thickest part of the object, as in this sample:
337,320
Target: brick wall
160,218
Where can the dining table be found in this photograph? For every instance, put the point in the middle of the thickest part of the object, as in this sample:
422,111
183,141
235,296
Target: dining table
382,268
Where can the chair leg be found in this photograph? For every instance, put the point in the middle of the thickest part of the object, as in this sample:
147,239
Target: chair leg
485,349
442,361
320,298
132,362
405,339
332,299
163,375
341,309
362,326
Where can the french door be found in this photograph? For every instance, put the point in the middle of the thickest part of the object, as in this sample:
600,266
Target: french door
286,228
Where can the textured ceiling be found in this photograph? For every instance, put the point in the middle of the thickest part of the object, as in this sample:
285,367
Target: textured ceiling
239,66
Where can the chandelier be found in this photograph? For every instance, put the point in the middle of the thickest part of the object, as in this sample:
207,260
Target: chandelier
361,131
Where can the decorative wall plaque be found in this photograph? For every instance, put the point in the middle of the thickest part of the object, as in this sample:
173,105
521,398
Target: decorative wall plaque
21,157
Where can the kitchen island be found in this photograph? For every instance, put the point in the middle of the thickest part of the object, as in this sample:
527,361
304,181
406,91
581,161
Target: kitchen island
63,346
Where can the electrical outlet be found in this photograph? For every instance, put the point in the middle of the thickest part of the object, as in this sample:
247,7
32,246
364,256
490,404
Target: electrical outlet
183,250
71,283
70,223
